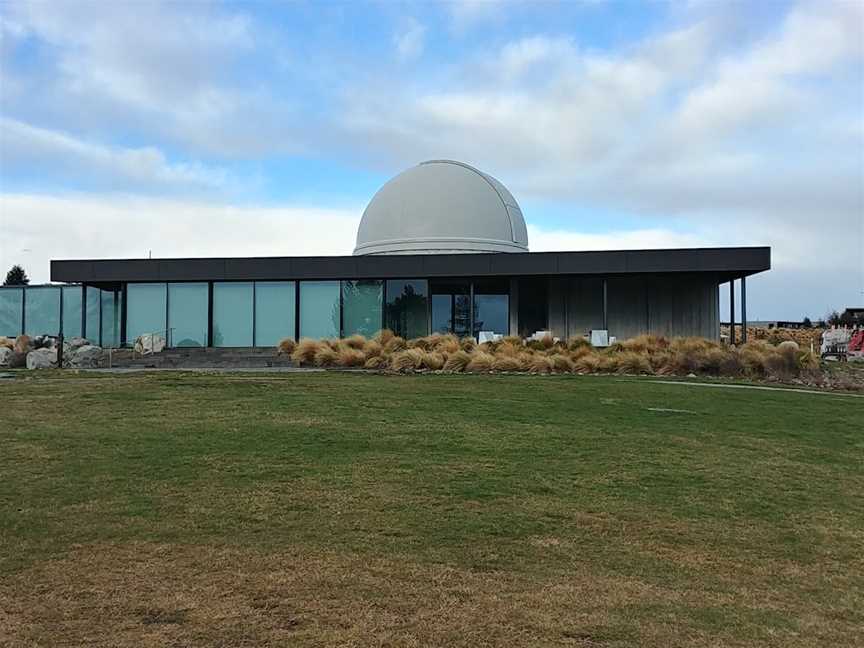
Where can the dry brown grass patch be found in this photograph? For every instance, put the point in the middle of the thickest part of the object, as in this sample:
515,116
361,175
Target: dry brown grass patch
350,357
407,360
286,346
355,341
305,350
481,362
457,361
326,356
508,363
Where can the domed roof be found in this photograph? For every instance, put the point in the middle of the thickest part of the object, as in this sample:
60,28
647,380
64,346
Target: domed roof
440,207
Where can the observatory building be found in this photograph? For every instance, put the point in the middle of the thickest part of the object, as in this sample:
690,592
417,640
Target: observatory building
442,247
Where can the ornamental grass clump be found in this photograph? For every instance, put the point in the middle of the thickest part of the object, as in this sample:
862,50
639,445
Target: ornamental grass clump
468,344
394,344
350,357
372,348
304,352
286,346
457,361
561,363
407,360
541,364
508,363
376,362
433,360
587,363
356,341
481,362
326,356
632,363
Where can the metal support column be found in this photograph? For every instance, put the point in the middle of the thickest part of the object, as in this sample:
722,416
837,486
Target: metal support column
605,306
732,311
744,309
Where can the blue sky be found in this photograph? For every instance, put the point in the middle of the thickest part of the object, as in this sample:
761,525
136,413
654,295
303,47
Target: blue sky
213,128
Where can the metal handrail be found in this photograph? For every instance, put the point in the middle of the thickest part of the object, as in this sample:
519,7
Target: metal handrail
152,335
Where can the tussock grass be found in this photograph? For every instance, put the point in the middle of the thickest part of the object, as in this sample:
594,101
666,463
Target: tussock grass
286,346
457,361
304,352
644,354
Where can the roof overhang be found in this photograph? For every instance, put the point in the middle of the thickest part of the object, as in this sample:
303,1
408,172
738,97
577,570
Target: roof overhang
726,263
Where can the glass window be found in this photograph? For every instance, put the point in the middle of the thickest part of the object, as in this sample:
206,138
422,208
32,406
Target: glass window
110,318
319,309
407,307
42,311
72,303
188,314
451,307
11,311
232,314
93,321
145,309
492,307
274,312
361,307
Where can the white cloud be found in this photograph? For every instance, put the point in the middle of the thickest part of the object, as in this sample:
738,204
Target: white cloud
410,40
93,226
61,153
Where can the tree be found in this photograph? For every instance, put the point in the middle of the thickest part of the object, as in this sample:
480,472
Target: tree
807,323
16,277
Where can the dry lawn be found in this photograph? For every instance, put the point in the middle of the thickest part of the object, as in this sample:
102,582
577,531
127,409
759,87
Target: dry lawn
366,510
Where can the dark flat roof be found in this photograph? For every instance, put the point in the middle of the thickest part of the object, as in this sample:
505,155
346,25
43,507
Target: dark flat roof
732,262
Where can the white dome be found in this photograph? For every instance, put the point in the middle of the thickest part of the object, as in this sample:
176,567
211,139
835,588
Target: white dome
440,207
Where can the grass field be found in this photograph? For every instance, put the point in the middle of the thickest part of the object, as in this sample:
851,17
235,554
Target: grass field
367,510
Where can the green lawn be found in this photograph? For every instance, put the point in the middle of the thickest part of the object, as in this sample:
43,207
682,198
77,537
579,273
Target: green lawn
344,509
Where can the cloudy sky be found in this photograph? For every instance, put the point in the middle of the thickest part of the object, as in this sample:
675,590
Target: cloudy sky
209,128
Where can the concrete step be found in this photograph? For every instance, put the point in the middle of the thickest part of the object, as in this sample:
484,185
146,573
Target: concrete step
201,358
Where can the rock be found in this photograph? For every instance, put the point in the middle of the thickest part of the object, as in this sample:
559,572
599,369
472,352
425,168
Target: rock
85,357
42,359
77,342
7,342
22,344
147,344
6,355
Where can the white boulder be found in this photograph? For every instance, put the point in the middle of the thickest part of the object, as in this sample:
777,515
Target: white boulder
6,355
147,344
42,359
85,357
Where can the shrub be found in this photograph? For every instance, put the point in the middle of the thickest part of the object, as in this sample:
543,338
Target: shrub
579,344
350,357
508,363
286,346
561,363
407,360
457,361
547,341
754,356
646,343
355,342
326,356
304,351
481,362
509,349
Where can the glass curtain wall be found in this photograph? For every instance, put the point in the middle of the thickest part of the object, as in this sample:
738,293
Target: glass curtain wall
42,311
407,307
11,311
319,309
492,307
361,307
146,310
274,312
111,309
72,314
93,321
233,314
188,314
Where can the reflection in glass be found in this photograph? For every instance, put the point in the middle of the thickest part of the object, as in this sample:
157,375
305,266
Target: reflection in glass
361,307
451,307
93,322
407,307
492,306
72,303
11,311
145,309
319,309
232,314
187,314
274,312
442,313
110,318
42,311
